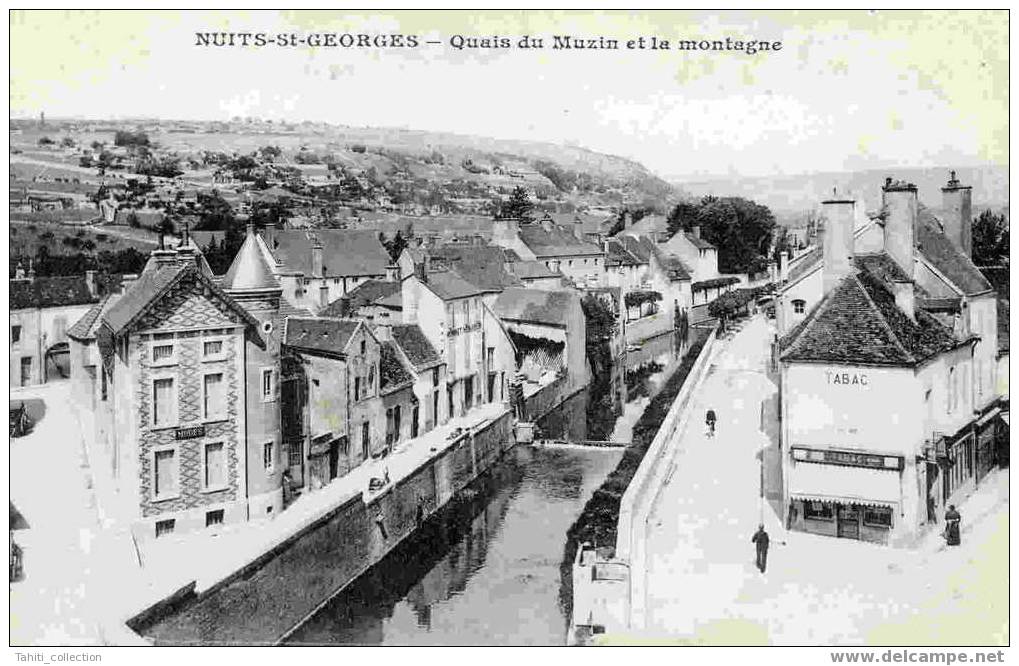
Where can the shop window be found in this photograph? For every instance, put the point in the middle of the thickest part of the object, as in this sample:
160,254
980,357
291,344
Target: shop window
818,511
877,516
799,306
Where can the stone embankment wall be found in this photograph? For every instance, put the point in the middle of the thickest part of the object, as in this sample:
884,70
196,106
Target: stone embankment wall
263,602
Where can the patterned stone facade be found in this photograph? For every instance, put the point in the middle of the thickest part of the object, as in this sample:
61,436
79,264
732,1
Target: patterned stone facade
192,317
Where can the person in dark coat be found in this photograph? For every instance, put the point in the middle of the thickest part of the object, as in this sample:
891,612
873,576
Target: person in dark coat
952,520
761,539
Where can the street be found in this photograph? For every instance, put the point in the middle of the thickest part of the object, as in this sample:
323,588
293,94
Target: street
703,586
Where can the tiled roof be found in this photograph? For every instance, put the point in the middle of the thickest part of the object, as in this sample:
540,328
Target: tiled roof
535,305
366,293
699,243
673,265
481,265
858,322
448,285
649,224
84,328
805,264
250,269
419,351
555,242
319,333
531,270
151,285
59,290
391,370
345,252
946,257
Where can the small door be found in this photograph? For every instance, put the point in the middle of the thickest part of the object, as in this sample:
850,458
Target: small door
26,370
334,458
848,521
414,416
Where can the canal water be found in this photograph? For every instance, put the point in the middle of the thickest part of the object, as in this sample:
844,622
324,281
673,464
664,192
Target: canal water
487,571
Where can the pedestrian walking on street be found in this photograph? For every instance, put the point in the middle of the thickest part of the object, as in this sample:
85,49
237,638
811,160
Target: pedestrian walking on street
710,419
761,539
952,520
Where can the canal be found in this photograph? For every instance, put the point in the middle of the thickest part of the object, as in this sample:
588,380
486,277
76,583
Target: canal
487,570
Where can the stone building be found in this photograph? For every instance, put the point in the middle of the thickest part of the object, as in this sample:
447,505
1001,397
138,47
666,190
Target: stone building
161,376
334,392
561,249
315,267
42,309
895,314
476,349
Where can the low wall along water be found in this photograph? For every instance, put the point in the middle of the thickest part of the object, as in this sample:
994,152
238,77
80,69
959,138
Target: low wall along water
262,603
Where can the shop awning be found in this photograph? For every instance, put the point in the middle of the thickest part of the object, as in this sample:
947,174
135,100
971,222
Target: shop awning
836,483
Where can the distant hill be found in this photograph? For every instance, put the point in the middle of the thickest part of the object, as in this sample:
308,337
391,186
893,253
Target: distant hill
790,197
558,172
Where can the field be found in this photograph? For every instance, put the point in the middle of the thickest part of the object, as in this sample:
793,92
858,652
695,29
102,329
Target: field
26,237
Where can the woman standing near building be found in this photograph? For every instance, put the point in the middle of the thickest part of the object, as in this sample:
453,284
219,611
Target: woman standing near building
952,520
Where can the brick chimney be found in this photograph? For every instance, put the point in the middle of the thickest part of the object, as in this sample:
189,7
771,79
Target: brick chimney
316,258
899,207
392,272
90,282
323,295
578,229
383,332
696,231
957,202
837,242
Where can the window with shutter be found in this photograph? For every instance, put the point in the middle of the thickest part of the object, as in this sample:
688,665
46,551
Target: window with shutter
163,407
215,466
166,474
215,399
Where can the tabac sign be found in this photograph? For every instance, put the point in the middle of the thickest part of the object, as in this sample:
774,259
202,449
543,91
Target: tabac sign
845,378
847,458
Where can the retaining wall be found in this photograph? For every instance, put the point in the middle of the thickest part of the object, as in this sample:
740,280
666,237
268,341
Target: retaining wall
264,601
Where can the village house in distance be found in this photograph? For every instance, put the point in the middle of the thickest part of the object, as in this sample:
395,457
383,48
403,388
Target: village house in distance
889,311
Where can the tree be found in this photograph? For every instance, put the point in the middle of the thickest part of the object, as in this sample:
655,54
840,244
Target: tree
600,328
683,217
517,207
214,212
126,138
396,246
67,142
741,230
990,239
46,141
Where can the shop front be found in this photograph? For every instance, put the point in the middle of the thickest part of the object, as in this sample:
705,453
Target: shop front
844,494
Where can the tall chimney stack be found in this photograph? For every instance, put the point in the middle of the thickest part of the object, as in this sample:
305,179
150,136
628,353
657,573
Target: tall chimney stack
316,258
957,202
837,241
899,204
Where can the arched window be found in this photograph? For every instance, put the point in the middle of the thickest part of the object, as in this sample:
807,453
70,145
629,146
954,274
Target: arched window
799,306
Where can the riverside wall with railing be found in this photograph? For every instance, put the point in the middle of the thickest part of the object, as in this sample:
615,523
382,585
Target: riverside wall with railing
602,594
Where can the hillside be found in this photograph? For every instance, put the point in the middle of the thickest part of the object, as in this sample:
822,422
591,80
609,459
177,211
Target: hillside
410,163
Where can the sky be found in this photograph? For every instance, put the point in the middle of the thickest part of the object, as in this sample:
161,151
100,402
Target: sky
847,91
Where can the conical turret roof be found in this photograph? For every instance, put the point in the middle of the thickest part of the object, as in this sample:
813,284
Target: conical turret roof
250,269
